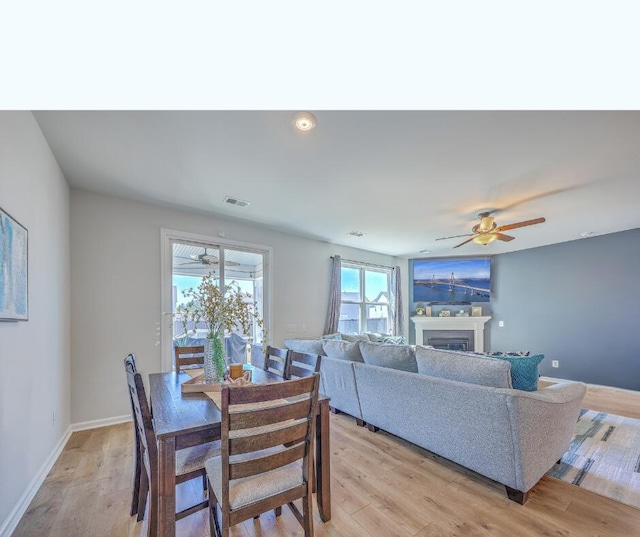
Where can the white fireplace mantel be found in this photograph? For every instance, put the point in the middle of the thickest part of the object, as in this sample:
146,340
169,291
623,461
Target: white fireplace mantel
452,323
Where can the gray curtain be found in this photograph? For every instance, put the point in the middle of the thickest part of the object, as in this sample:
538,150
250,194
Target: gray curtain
333,312
397,309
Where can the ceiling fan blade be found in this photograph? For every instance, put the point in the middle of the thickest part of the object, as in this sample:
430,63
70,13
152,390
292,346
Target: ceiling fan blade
521,224
465,242
190,263
503,237
455,236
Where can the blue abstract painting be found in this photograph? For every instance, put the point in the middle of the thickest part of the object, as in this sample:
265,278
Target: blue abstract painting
14,303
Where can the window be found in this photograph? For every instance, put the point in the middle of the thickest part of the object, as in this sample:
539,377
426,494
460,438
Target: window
364,301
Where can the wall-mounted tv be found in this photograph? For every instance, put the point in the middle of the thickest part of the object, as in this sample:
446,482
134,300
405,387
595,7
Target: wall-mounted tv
452,280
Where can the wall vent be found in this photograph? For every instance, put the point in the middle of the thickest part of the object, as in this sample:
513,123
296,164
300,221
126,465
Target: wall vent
235,201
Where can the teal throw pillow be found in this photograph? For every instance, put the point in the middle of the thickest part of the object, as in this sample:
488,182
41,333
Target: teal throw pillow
524,370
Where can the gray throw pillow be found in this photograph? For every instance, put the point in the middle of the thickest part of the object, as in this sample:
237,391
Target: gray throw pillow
310,346
400,357
342,350
463,367
354,337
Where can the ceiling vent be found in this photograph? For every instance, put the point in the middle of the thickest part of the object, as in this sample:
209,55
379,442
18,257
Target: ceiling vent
235,201
356,233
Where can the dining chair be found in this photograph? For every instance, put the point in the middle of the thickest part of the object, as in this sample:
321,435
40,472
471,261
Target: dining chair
266,458
275,361
302,364
189,462
137,455
189,356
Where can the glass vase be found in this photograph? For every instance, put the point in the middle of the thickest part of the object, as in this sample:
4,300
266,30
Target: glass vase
215,362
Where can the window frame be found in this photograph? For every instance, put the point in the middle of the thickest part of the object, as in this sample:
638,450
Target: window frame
363,302
167,236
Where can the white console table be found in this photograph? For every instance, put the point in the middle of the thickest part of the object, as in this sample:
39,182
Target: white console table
452,323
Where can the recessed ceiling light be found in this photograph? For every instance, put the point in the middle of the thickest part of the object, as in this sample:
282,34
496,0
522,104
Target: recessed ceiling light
356,233
304,121
425,251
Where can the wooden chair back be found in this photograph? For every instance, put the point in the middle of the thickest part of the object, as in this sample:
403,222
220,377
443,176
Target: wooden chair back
279,417
142,419
276,361
302,364
189,356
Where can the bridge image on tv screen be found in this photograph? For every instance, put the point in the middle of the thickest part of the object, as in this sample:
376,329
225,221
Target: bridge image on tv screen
455,280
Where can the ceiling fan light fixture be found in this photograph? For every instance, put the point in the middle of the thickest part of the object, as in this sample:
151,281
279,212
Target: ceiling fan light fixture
485,238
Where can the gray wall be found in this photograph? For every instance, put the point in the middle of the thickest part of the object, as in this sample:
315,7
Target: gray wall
575,302
34,354
115,289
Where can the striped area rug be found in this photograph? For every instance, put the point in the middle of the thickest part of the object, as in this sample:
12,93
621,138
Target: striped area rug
604,457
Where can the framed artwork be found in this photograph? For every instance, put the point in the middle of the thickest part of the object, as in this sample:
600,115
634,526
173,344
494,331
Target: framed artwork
14,302
476,311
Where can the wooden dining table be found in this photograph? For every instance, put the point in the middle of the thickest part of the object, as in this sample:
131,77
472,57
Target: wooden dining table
185,420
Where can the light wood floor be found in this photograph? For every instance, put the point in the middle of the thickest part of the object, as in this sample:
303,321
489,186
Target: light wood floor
381,487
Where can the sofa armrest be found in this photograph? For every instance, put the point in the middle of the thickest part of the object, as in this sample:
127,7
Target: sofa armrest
542,425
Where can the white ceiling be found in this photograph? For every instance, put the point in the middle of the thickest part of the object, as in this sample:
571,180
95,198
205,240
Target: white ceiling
403,178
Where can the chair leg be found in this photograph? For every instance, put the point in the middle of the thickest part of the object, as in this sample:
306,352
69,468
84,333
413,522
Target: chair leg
278,511
307,516
143,493
136,479
153,509
204,481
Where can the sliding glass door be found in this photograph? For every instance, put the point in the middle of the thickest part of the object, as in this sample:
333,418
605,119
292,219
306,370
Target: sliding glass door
191,260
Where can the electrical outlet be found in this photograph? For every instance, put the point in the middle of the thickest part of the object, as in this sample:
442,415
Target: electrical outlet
555,363
501,324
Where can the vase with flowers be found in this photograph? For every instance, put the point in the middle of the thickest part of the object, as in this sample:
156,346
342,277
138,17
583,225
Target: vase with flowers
222,308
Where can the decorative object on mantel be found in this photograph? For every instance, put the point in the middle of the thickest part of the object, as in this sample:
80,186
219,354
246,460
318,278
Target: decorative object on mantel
476,311
427,311
200,384
419,310
462,313
222,308
14,303
445,313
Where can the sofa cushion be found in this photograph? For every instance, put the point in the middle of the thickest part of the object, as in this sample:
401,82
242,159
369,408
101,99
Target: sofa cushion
342,350
463,367
398,340
400,357
354,337
335,335
373,336
524,370
309,346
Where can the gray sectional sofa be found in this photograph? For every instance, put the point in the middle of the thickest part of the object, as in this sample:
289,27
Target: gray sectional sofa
458,406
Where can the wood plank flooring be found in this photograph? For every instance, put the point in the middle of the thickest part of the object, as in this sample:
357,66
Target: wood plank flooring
382,486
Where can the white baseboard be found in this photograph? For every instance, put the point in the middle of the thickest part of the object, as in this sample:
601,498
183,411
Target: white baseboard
11,522
94,424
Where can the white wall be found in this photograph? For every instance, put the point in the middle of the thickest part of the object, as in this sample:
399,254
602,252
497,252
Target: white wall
34,355
115,289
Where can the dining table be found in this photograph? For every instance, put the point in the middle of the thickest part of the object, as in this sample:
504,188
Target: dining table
183,420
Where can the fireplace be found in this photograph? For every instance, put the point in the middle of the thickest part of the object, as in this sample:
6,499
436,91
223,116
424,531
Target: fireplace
450,343
453,340
453,328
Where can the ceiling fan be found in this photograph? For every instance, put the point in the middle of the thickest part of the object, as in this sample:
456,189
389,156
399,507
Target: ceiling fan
488,231
207,259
